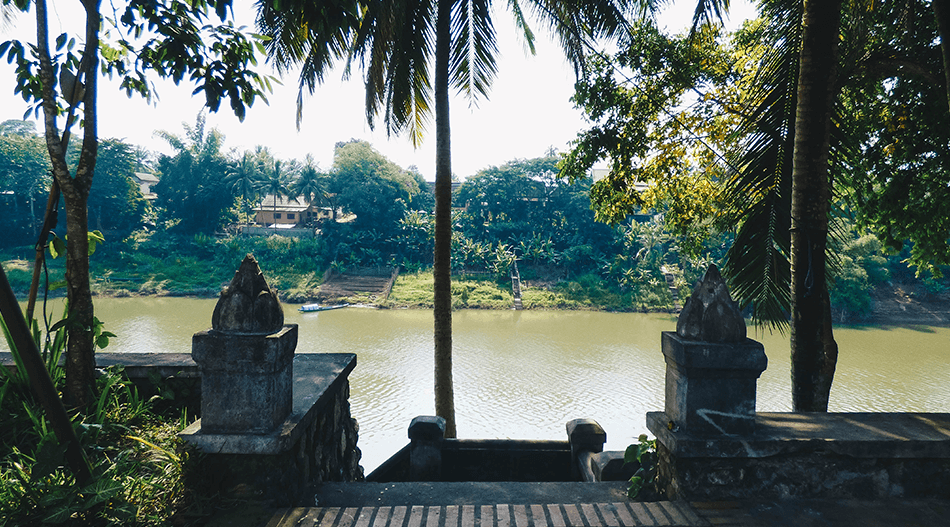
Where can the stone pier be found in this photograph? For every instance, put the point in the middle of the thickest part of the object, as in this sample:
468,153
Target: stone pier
713,445
273,423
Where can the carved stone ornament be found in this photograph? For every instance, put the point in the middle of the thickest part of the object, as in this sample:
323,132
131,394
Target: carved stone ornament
710,314
247,304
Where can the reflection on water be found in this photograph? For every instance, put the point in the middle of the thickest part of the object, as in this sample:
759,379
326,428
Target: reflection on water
524,374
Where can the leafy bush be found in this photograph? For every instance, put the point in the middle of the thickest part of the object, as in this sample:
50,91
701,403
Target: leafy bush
137,474
643,453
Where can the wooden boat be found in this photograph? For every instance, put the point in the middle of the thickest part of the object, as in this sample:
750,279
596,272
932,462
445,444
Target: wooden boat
311,308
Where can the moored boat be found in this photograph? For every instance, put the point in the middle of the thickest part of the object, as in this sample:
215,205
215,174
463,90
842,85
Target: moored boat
311,308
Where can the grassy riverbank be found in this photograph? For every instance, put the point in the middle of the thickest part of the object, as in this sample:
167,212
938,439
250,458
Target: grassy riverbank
166,264
161,264
414,290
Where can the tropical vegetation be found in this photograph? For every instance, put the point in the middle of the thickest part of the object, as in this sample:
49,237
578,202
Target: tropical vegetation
806,153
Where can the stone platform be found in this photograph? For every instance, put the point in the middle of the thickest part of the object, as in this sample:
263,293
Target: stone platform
809,455
317,377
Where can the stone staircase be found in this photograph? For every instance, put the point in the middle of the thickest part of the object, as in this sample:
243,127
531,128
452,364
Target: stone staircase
376,281
516,286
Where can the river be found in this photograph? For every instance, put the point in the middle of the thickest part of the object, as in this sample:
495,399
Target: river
524,374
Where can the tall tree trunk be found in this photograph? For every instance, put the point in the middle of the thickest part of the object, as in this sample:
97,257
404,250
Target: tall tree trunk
942,14
80,358
814,351
442,257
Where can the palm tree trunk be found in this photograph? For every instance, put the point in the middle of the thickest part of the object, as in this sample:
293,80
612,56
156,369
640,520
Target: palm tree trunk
442,266
942,14
814,351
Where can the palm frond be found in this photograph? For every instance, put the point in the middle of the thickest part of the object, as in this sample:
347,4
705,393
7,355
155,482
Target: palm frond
577,24
758,263
312,34
394,44
521,23
709,12
473,64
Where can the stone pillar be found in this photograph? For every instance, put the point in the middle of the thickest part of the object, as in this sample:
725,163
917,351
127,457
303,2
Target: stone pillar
246,358
711,366
426,435
272,424
711,374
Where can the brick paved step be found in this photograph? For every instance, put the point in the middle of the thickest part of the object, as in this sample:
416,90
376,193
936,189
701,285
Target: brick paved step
618,514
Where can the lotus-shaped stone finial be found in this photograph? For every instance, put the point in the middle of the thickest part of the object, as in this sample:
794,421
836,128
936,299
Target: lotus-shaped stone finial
247,304
710,314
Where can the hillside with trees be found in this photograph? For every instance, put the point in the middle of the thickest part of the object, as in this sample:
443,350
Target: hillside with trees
186,239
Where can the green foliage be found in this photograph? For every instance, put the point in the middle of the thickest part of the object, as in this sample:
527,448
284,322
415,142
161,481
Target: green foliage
115,201
24,182
657,159
169,263
370,186
528,201
137,476
192,190
644,454
861,267
897,126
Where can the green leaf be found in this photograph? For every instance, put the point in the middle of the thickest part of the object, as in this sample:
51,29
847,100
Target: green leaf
631,454
62,323
634,487
59,514
100,491
59,284
95,238
60,41
57,247
50,455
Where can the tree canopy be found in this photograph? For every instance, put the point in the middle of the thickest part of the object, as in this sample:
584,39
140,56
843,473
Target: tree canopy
370,186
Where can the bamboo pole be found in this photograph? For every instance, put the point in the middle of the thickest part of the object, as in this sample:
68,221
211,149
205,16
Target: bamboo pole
42,384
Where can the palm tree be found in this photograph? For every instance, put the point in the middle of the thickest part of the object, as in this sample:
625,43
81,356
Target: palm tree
395,41
278,182
814,351
783,187
244,178
311,183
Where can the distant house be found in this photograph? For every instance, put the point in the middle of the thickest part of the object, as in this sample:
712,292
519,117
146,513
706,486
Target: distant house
288,213
145,181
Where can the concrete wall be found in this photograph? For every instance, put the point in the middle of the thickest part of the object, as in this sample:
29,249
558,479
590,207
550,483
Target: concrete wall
326,451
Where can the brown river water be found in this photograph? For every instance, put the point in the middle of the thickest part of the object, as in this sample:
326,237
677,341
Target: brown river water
524,374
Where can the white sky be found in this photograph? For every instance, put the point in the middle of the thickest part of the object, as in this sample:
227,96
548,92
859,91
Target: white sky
528,110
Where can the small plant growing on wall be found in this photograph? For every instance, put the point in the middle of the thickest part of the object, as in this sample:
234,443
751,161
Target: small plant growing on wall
644,479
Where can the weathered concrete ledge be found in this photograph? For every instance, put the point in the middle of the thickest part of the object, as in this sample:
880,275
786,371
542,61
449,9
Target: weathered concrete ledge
316,379
137,365
864,435
174,377
809,455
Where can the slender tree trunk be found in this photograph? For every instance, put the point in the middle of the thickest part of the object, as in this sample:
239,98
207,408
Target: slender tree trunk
942,14
80,358
442,264
814,351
